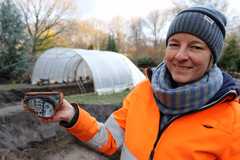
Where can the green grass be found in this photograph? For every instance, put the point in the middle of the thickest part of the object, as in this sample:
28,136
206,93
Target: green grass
91,98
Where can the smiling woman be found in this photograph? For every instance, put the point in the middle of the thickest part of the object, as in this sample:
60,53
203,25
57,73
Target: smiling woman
185,101
187,58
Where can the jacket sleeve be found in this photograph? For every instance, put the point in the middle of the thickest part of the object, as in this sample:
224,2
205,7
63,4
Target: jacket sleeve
105,137
232,152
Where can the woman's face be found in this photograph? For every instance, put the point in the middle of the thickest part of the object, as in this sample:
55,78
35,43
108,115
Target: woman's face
187,58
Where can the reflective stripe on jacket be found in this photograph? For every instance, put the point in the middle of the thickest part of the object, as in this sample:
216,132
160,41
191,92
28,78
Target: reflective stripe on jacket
212,133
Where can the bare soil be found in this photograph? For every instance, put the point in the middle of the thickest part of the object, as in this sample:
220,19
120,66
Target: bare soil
24,137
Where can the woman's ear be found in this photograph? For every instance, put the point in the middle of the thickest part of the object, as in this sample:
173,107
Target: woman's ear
210,63
165,59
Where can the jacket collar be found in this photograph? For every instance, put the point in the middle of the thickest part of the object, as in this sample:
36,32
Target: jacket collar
228,85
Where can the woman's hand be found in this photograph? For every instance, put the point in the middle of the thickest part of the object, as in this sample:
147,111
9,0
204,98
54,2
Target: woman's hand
64,113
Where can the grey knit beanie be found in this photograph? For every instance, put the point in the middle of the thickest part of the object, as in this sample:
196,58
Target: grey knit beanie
203,21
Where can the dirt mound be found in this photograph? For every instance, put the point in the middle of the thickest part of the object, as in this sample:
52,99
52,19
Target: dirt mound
5,81
24,137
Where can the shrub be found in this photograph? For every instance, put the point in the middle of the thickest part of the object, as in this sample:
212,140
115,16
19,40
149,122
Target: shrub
145,62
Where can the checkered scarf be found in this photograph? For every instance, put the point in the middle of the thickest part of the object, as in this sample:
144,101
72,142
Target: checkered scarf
175,101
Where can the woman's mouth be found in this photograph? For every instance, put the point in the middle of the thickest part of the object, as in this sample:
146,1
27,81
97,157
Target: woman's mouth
182,68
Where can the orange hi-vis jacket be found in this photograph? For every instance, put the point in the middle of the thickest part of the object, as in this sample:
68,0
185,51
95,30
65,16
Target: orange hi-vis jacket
212,133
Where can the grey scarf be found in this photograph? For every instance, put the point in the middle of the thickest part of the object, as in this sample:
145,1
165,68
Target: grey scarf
175,101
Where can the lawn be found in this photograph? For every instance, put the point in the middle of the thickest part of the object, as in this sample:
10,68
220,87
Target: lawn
91,98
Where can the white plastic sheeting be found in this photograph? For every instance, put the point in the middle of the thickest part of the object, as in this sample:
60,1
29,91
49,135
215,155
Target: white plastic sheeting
111,72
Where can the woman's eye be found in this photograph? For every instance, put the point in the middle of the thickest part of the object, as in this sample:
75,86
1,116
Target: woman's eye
173,44
196,47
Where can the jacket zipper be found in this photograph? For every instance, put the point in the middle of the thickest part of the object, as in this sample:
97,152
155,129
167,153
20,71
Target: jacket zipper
179,116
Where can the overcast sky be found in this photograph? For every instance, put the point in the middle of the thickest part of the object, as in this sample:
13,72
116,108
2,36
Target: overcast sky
107,9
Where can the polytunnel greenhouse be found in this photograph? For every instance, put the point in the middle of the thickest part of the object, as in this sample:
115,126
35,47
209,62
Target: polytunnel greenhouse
109,71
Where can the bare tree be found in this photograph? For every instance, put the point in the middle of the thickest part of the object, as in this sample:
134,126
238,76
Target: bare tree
118,28
43,15
100,39
83,33
96,31
178,6
71,34
220,4
233,18
156,22
182,4
137,35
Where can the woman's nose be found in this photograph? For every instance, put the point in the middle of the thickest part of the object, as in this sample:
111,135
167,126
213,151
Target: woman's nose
182,54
